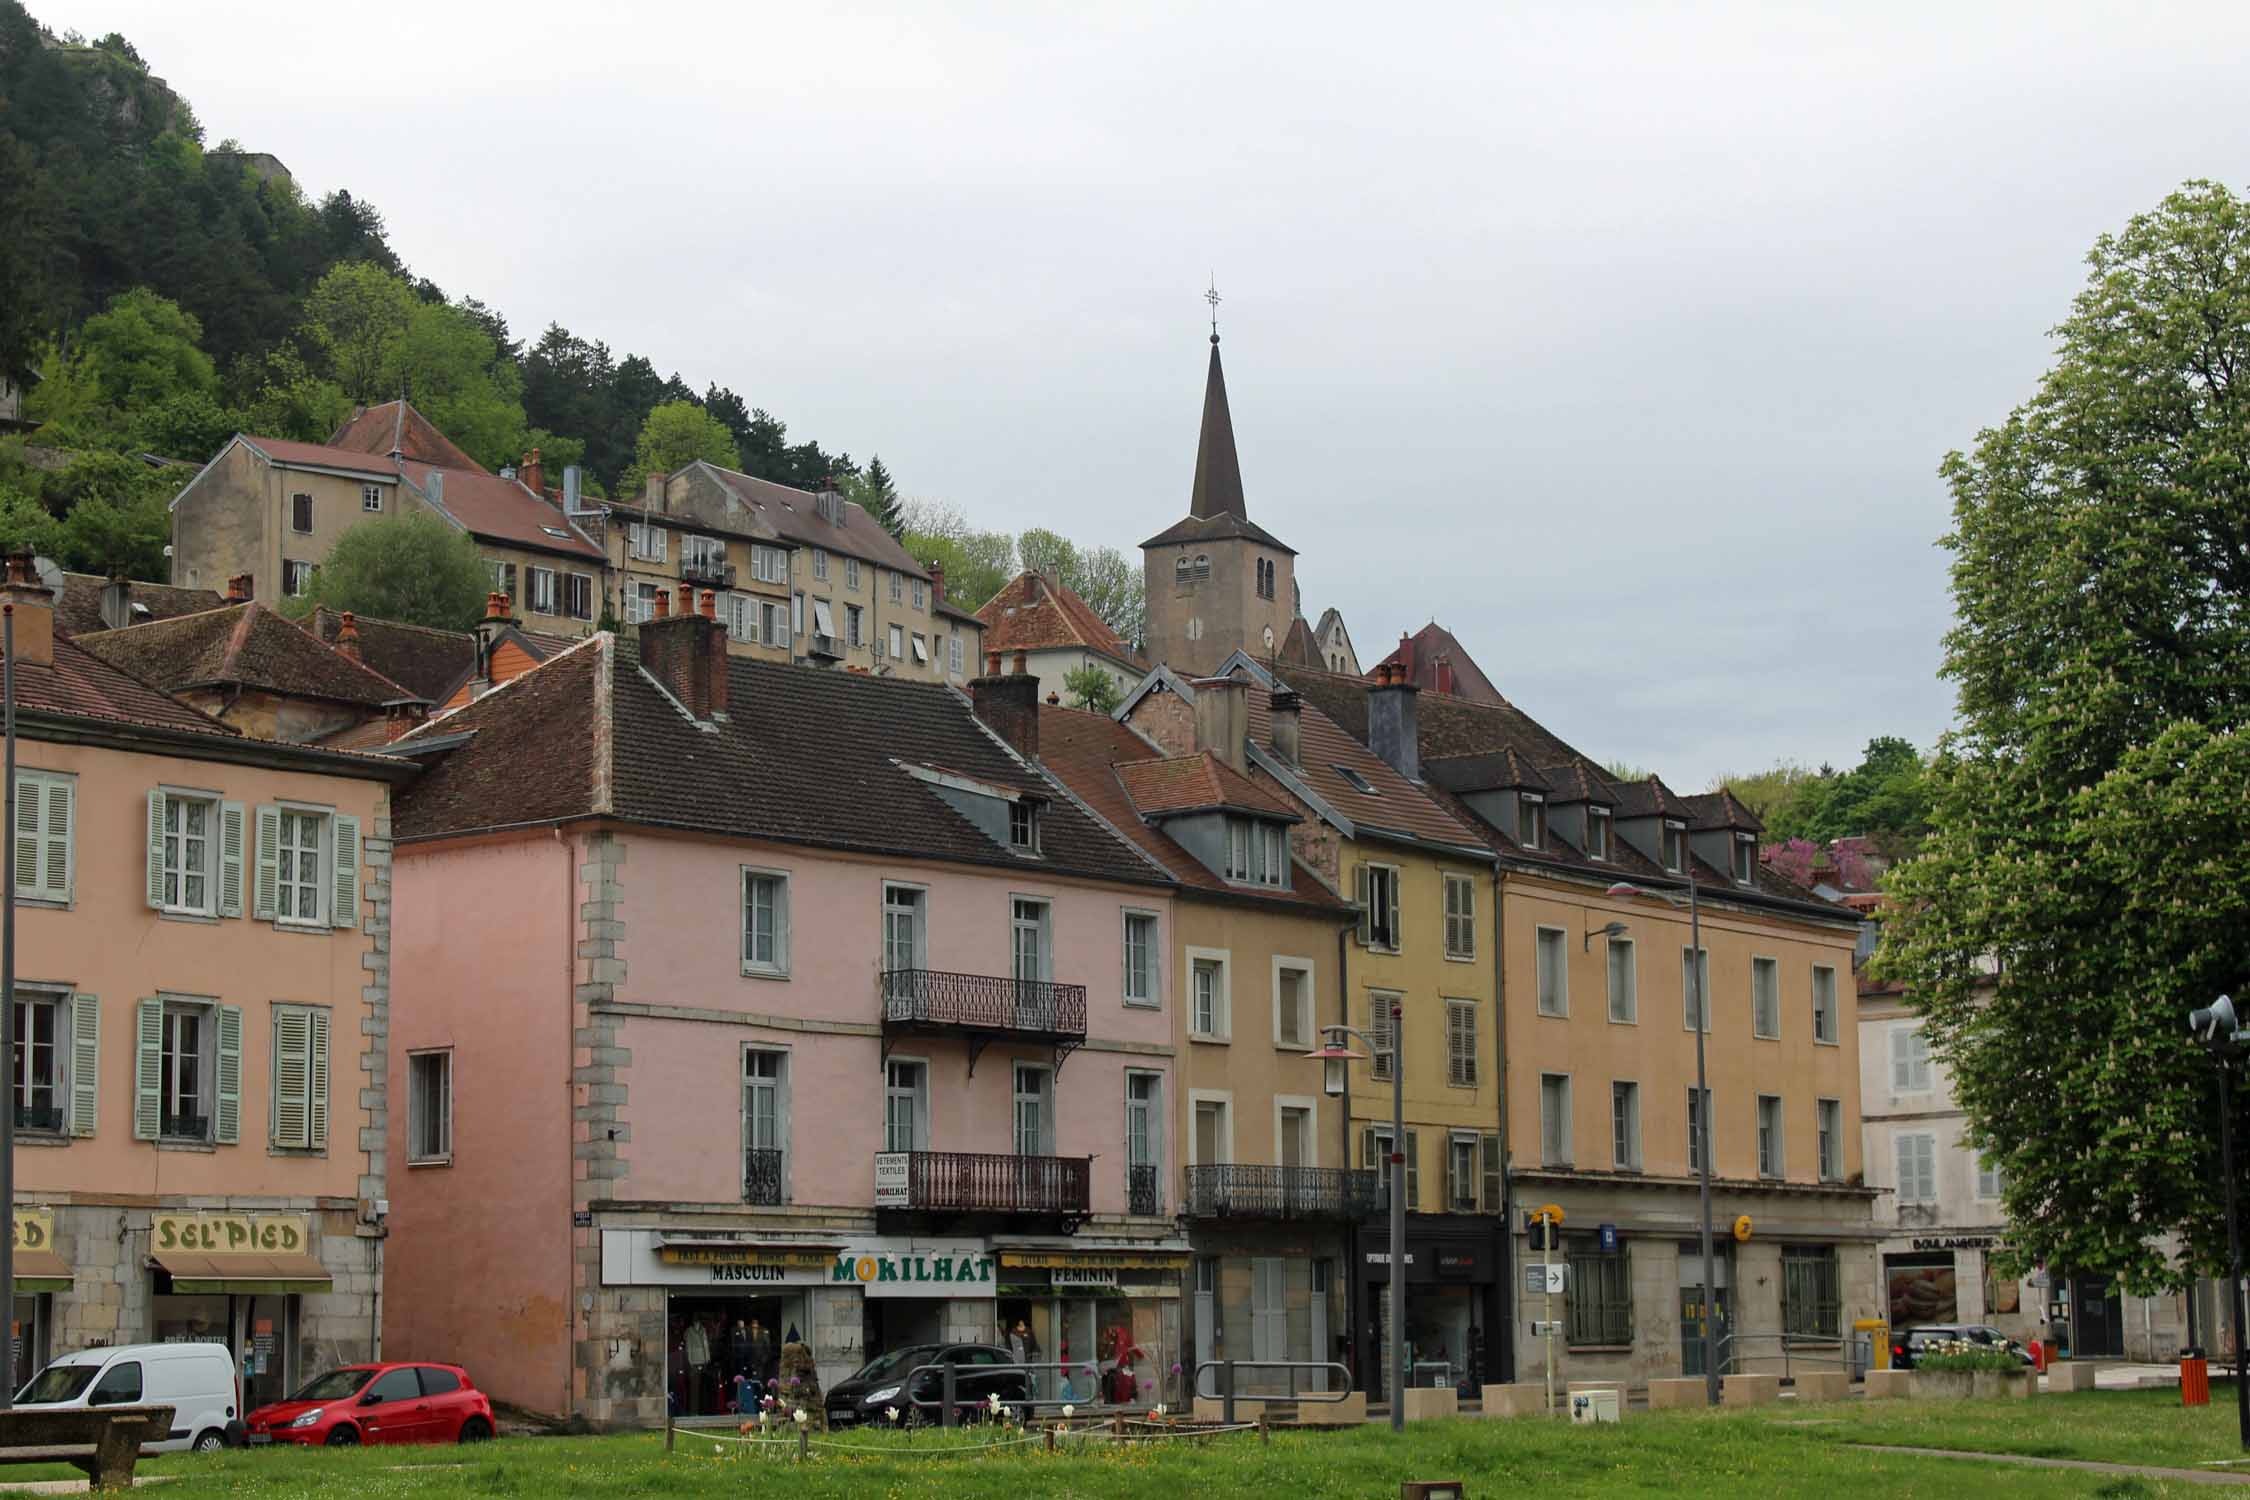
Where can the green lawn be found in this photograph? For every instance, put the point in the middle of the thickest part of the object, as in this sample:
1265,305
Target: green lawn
1746,1455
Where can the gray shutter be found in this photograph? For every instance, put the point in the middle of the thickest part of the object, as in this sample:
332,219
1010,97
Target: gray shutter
292,1085
55,864
316,1112
346,912
1366,915
85,1063
28,792
268,856
230,859
156,849
1397,884
148,1071
1490,1201
1452,1186
226,1125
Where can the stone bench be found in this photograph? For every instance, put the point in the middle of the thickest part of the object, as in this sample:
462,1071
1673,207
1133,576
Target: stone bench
1514,1400
1823,1385
1890,1385
103,1441
1349,1412
1749,1390
2070,1375
1677,1391
1426,1402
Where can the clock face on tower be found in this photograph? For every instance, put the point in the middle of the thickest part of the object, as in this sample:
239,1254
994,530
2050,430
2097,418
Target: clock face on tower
1269,640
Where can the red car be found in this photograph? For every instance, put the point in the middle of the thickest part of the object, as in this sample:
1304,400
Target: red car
388,1403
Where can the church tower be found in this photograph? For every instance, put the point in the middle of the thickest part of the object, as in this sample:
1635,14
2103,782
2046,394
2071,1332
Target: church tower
1216,579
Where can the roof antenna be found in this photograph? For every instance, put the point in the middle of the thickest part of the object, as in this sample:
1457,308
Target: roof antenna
1212,297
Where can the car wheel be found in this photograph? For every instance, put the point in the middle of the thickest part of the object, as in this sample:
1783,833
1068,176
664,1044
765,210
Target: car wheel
209,1440
476,1430
343,1435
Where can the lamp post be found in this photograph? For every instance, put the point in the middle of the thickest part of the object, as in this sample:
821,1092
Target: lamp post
1699,1001
2216,1026
1335,1056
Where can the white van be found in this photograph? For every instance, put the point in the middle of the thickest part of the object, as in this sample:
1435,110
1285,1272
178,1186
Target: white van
195,1380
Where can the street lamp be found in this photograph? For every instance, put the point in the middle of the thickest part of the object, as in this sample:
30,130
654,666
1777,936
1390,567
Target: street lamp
1608,930
1334,1058
1699,1001
2216,1027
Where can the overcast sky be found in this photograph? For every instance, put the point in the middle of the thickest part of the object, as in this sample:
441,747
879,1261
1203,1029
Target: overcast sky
1624,340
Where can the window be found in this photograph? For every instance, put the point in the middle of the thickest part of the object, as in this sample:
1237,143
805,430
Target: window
1461,1044
1203,565
1295,1143
921,599
1140,958
45,826
773,623
768,564
40,1060
765,922
299,1115
301,853
1830,1114
1597,833
1378,906
371,498
1625,1126
640,603
1208,1004
921,649
905,928
1675,846
1624,982
296,578
1917,1168
765,1119
1292,1005
1910,1060
1357,782
188,834
1695,989
646,542
905,1105
1553,955
1765,997
851,572
1554,1119
1183,572
704,556
1531,820
1035,1110
503,576
1745,858
1023,826
1824,1004
898,587
1257,852
119,1385
1028,926
1600,1307
1991,1180
429,1107
820,563
1144,1141
578,596
853,635
1769,1135
300,513
1811,1300
1460,917
953,653
1461,1173
1383,1009
437,1382
187,1072
898,639
1214,1132
539,590
1698,1111
1374,1155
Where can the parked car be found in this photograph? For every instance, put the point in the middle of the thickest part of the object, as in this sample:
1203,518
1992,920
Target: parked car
195,1380
386,1403
883,1383
1907,1344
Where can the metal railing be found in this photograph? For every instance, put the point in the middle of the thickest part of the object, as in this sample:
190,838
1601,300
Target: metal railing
1241,1191
982,1002
698,570
761,1176
186,1127
1141,1196
1230,1381
995,1182
1852,1353
39,1117
952,1404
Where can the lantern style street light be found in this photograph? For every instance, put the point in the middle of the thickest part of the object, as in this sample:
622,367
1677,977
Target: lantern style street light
1335,1057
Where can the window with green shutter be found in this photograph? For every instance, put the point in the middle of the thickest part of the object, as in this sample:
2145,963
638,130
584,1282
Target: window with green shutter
300,1078
46,805
187,1071
307,866
194,854
85,1063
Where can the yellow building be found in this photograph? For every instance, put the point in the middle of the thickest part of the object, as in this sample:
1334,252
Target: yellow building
687,530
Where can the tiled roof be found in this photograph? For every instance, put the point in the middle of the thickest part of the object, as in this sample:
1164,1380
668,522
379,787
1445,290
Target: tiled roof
79,610
1298,648
502,510
1721,809
426,662
1493,770
395,426
1034,613
1189,530
1195,783
245,645
758,530
1649,797
1086,751
1420,654
1450,725
794,515
321,456
532,758
80,683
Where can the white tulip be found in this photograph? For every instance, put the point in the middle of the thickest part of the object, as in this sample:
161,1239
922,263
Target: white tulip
1069,1412
801,1418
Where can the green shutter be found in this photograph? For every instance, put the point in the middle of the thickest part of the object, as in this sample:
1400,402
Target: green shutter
85,1063
269,863
28,791
230,859
292,1085
148,1071
55,868
1366,914
156,849
227,1124
346,913
316,1113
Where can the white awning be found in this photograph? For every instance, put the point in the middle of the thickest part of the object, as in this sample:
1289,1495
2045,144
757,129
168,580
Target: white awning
822,622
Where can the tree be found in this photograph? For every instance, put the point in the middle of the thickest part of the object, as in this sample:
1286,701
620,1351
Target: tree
2083,886
978,564
138,353
413,568
878,496
675,435
1113,587
1091,687
356,317
288,400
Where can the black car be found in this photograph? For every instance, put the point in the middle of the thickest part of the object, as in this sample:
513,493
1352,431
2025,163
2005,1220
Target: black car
1908,1343
883,1383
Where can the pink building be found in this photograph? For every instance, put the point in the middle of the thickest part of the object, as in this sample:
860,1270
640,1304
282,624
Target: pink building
751,1000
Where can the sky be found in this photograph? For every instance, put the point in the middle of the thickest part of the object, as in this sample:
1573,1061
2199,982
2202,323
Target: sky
1623,340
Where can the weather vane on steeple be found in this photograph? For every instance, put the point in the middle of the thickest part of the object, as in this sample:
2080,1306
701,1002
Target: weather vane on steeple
1212,297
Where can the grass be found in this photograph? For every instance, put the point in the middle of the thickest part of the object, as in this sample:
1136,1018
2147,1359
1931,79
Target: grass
1738,1455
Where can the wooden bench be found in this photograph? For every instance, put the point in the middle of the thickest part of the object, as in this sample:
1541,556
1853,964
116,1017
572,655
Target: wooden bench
105,1441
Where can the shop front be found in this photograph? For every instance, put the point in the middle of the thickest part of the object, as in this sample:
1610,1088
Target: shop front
41,1272
238,1280
1109,1317
1456,1313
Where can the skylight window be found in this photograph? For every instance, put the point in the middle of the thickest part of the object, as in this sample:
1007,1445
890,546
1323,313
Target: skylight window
1359,782
556,531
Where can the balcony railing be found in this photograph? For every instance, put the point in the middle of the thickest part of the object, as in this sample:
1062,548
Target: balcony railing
990,1182
761,1176
39,1117
186,1127
1236,1191
706,570
932,1000
1140,1191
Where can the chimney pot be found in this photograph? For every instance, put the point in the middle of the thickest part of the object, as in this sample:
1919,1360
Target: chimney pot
1055,699
708,605
34,610
496,606
347,636
663,604
687,599
1023,660
238,589
992,664
687,653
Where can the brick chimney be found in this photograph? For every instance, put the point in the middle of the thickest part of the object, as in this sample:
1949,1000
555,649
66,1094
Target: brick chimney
347,636
1394,728
117,600
1442,674
653,499
1009,706
33,608
1288,726
937,583
1406,656
687,654
239,589
1222,719
533,474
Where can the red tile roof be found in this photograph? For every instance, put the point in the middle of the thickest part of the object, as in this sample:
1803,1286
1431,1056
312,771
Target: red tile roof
1433,655
79,610
429,663
1034,613
396,427
1331,759
501,510
1195,783
320,456
246,645
794,515
83,684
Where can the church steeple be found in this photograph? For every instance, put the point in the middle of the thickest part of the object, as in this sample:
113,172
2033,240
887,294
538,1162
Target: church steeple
1218,472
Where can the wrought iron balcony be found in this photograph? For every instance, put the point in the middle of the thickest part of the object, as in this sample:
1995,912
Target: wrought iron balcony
39,1117
1238,1191
761,1176
186,1127
707,570
1140,1191
1032,1010
985,1182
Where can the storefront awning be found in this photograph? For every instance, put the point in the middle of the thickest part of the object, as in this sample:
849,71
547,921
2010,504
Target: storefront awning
41,1271
198,1271
1094,1260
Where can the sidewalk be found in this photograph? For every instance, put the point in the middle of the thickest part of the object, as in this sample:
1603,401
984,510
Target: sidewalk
2086,1466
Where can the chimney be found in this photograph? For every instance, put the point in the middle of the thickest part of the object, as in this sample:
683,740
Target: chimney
533,474
347,637
1054,700
1222,719
570,489
434,486
1443,673
1393,727
653,497
117,600
1023,663
992,664
238,589
34,610
1009,707
1288,726
687,654
708,605
663,604
937,582
1405,657
687,600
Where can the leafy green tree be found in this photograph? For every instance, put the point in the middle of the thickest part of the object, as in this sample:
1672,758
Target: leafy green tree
978,564
288,400
877,495
357,317
1116,589
412,568
1092,687
2083,884
675,435
456,375
138,353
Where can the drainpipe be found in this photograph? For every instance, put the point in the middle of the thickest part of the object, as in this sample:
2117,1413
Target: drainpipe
1507,1184
570,1095
1351,1239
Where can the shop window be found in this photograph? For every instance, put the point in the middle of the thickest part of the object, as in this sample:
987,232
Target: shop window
1141,958
1811,1303
1600,1301
1624,982
1553,954
765,1124
765,922
429,1107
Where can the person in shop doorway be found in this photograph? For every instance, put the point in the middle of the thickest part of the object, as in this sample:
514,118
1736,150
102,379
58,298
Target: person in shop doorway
761,1352
1024,1350
696,1344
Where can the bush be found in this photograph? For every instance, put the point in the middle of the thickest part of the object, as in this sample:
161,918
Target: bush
1960,1354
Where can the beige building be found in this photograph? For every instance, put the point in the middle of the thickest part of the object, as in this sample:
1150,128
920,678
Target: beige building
685,531
1044,623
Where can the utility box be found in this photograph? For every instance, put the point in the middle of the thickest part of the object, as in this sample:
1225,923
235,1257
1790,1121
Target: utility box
1593,1406
1878,1340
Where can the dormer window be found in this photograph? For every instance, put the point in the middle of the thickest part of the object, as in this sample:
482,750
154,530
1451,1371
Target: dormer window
1745,858
1675,846
1257,852
1597,833
1531,820
1023,826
